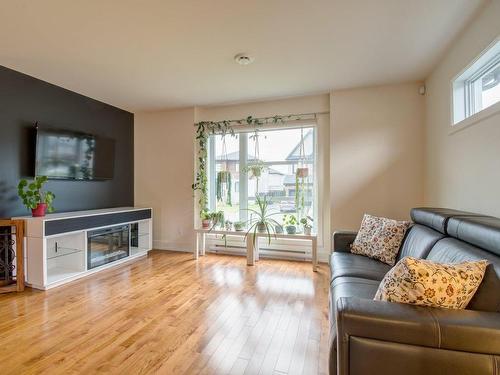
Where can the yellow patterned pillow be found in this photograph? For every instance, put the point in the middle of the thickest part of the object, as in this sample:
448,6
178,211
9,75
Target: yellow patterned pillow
423,282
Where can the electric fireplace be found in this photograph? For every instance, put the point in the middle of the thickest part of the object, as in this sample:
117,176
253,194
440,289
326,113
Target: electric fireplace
107,245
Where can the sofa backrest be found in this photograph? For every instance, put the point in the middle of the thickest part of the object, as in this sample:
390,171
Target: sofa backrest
459,236
437,218
419,241
452,250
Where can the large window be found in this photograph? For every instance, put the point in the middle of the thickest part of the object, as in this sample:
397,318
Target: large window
276,154
477,88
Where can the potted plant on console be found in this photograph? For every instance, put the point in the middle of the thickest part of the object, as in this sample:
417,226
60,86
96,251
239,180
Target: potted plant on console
290,224
262,222
206,219
307,224
34,198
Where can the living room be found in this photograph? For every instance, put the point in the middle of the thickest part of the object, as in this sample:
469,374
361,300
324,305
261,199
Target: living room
243,188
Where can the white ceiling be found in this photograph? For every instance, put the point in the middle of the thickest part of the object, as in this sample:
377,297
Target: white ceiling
153,54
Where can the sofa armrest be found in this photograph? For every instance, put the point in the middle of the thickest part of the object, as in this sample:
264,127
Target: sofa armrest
342,240
460,330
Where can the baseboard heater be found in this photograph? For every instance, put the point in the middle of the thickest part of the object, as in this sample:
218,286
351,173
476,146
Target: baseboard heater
263,252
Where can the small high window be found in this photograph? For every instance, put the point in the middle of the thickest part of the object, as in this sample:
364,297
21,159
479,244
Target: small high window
477,88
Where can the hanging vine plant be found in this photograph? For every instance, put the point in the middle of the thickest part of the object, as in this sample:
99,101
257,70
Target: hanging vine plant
205,129
301,175
224,185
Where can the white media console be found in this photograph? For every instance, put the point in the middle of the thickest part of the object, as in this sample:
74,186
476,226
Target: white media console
65,246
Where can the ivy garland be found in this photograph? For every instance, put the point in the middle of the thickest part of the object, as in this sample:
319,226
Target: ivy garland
205,129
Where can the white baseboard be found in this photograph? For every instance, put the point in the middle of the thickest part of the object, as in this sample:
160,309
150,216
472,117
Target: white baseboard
173,246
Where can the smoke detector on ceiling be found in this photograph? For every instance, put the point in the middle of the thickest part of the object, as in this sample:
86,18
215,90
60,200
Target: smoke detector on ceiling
243,59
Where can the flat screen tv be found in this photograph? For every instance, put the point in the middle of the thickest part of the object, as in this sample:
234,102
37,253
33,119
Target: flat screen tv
68,155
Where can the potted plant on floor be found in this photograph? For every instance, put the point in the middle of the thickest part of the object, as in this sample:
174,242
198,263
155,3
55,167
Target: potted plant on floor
307,224
290,224
34,198
262,222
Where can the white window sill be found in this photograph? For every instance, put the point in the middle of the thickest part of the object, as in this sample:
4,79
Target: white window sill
476,118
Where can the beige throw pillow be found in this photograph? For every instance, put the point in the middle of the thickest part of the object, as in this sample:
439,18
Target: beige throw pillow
380,238
423,282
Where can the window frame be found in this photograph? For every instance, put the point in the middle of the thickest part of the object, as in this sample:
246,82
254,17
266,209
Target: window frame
287,245
464,92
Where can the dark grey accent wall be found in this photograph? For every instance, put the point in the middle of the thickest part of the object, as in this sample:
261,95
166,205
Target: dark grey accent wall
25,100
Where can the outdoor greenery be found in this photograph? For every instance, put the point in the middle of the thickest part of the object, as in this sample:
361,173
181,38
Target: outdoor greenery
31,193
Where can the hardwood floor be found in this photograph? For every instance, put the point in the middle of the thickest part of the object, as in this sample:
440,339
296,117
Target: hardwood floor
168,314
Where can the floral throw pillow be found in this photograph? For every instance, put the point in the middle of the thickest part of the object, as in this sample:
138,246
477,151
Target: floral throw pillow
380,238
423,282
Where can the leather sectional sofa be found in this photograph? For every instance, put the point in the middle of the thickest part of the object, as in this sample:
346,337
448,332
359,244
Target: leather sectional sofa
376,337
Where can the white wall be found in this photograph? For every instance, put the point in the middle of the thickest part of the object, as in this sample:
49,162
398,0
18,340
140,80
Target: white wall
297,105
369,146
164,157
376,153
462,169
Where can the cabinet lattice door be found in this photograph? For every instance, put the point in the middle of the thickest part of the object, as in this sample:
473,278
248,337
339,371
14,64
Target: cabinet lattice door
11,256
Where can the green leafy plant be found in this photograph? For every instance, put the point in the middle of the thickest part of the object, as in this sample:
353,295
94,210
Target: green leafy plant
239,226
255,170
205,215
31,193
300,190
224,187
217,218
307,222
263,221
290,220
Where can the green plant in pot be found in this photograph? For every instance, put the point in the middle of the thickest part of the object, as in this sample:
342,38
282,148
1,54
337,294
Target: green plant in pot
223,185
262,222
255,172
206,219
217,219
228,225
239,226
290,222
278,228
34,198
307,224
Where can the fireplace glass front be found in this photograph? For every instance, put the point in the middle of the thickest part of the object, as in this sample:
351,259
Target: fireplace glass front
107,245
